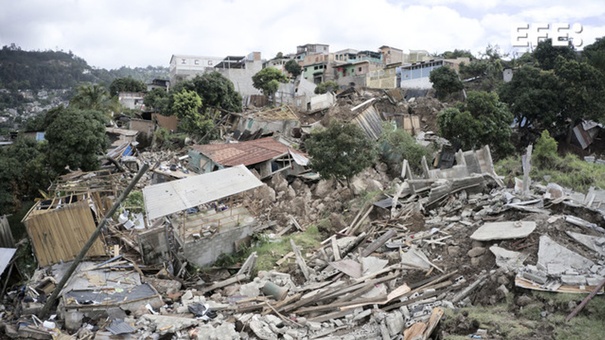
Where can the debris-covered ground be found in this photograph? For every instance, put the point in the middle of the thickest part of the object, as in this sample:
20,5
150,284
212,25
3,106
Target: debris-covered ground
450,254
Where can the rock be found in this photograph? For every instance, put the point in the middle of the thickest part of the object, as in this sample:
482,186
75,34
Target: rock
261,329
453,250
324,188
475,261
524,300
573,280
251,289
502,291
395,323
504,230
477,251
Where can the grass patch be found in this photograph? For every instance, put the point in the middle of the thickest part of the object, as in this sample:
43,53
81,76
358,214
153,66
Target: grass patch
569,171
270,250
496,319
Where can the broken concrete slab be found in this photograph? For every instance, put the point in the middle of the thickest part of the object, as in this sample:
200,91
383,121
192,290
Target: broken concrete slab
415,259
550,252
168,324
508,259
593,243
503,230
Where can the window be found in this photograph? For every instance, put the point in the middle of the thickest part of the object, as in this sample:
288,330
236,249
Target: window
197,62
183,61
359,69
210,62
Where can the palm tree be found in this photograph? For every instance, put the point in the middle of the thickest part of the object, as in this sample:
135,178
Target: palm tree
94,97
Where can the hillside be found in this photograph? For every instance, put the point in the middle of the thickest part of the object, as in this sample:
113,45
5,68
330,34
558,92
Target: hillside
37,70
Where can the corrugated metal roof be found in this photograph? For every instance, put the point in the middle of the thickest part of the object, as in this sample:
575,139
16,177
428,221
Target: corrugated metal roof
246,153
370,122
170,197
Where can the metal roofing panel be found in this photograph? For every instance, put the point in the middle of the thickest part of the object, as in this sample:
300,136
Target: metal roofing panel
170,197
246,153
370,122
6,254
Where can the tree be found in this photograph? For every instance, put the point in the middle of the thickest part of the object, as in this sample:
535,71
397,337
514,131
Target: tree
457,54
187,105
217,91
445,82
94,97
486,71
340,151
267,80
158,100
582,95
127,84
395,145
293,67
326,86
594,54
533,98
481,120
76,138
546,54
545,153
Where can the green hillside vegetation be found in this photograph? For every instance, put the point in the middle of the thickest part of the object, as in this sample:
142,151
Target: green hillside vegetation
37,70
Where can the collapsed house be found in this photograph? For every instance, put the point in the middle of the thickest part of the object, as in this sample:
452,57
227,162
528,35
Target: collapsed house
59,226
266,156
201,226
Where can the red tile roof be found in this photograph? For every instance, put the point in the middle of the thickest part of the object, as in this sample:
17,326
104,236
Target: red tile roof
246,153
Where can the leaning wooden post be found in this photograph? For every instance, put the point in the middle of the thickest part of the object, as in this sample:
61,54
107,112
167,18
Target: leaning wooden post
53,297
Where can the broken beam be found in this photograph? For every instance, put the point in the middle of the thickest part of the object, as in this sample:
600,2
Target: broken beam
53,297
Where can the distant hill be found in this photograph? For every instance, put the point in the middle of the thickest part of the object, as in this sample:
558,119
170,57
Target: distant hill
37,70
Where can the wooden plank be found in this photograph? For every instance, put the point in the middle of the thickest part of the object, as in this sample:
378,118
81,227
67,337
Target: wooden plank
300,260
335,249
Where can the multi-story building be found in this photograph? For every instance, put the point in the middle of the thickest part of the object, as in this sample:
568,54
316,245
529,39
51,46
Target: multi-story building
240,69
184,67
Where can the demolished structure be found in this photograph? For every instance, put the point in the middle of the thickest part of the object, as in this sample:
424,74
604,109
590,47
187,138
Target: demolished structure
391,256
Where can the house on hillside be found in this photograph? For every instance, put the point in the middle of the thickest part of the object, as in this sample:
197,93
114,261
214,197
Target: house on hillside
416,75
240,69
266,155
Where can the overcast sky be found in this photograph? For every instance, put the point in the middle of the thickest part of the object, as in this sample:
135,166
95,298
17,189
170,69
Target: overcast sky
113,33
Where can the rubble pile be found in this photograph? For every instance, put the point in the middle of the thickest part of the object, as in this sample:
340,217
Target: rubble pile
390,266
395,253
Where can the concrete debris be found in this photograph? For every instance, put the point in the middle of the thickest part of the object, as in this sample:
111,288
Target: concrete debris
507,259
388,265
504,230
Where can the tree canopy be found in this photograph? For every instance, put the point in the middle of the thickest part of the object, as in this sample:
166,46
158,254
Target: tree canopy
157,100
445,82
326,86
268,79
533,98
23,171
395,145
481,120
187,105
94,97
76,138
546,54
340,151
293,68
215,90
127,84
